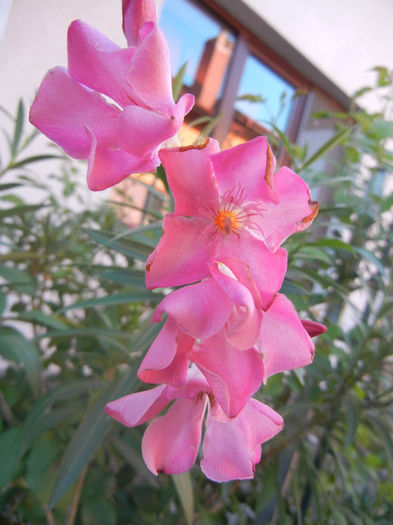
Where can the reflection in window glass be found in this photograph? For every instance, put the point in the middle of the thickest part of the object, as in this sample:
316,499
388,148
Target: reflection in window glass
202,41
271,95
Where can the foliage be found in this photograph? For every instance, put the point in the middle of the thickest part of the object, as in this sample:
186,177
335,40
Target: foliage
76,322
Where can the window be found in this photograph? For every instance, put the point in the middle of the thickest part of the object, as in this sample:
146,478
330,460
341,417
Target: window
225,75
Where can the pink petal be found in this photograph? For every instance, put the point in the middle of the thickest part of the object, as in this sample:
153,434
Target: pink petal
150,75
285,344
243,327
190,176
232,374
135,409
166,361
63,110
98,63
141,131
313,328
181,256
135,14
294,213
171,442
250,165
266,268
200,310
231,448
107,167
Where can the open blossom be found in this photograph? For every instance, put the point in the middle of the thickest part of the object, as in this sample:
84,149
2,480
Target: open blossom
231,447
224,201
236,334
124,135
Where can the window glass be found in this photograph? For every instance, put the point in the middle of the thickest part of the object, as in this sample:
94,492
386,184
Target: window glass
264,96
204,43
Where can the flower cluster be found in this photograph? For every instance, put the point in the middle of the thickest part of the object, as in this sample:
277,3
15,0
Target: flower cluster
228,328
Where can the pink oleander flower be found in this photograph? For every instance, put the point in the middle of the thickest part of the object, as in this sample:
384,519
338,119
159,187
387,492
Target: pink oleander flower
124,135
237,333
224,201
231,446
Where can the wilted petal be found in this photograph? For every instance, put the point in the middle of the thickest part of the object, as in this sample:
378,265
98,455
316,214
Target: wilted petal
251,166
233,375
166,360
182,255
190,176
135,14
232,448
63,110
137,408
171,442
285,343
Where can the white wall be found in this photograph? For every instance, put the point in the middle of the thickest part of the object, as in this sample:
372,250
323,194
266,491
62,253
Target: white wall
342,38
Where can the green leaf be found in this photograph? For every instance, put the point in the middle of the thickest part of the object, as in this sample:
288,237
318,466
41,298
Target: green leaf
134,459
89,435
351,412
15,347
258,99
128,277
30,160
19,257
9,454
40,459
386,309
336,244
387,203
352,154
369,256
9,186
94,427
18,280
20,118
285,142
3,302
325,148
98,510
385,433
41,418
128,247
20,210
383,76
184,490
288,287
177,82
38,317
381,129
120,298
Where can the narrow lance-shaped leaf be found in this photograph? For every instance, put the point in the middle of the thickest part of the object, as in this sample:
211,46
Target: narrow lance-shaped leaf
325,148
183,486
177,83
94,427
132,249
14,346
20,117
120,298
